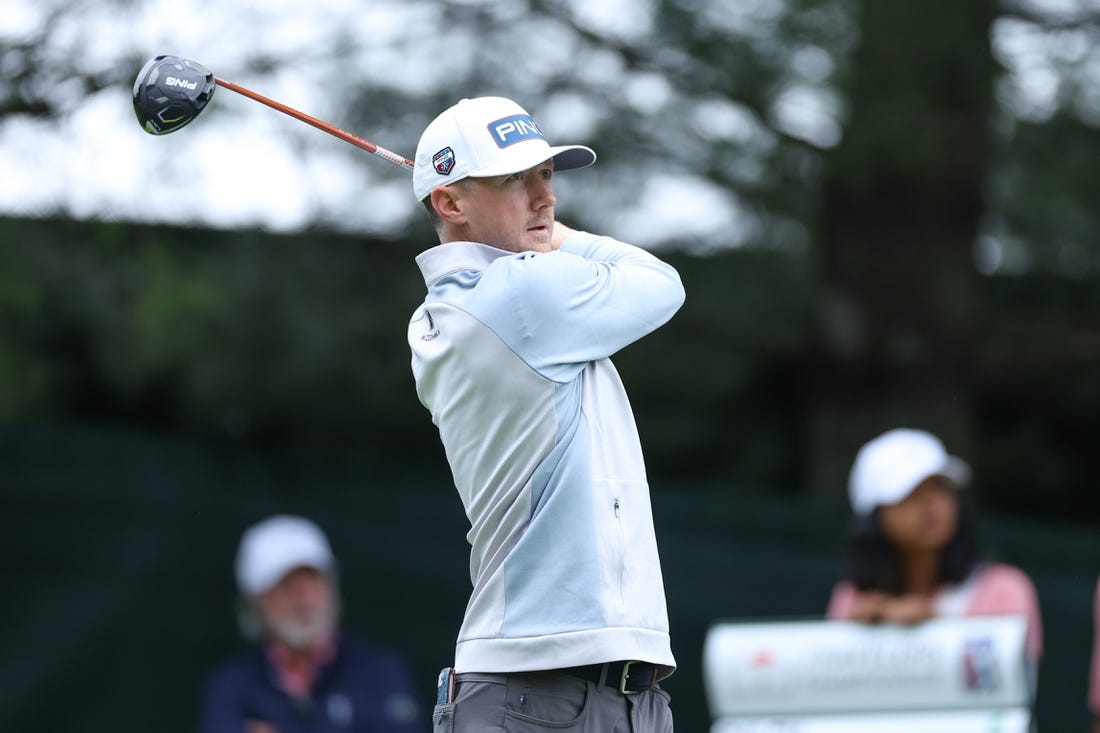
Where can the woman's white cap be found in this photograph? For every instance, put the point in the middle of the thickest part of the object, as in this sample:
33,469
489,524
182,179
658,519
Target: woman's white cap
272,548
888,468
484,137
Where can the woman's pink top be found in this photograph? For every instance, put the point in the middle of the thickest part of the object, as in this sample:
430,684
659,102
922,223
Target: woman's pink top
991,589
1094,678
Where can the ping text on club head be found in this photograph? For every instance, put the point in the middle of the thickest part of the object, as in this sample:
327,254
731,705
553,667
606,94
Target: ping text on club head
172,81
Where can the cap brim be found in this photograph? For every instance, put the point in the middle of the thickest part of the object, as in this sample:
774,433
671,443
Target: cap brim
958,471
566,157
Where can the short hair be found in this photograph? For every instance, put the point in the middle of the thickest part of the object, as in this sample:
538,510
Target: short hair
433,215
874,563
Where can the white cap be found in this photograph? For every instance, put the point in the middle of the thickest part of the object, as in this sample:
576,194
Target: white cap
484,137
272,548
888,468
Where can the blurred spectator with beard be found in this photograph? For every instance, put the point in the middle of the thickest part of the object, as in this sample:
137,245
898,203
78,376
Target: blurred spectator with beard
303,676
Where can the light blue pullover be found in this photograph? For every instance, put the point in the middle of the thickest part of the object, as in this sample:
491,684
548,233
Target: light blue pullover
510,355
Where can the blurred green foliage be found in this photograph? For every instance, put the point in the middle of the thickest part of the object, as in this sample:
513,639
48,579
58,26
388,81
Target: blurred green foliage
208,331
299,341
912,237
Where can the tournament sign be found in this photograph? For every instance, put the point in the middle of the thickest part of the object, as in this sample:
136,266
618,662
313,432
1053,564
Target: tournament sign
950,675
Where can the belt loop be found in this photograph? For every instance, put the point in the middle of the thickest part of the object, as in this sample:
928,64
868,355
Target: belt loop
605,669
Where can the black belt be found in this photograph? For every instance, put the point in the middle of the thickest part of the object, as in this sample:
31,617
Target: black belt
626,677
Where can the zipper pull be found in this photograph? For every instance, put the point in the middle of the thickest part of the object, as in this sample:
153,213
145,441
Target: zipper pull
616,508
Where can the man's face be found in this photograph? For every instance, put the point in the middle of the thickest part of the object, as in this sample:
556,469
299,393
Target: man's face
300,610
514,213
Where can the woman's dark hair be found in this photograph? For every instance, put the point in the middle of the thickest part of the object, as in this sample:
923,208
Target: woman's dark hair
875,564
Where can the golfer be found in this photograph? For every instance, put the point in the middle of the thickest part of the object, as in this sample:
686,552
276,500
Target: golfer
566,626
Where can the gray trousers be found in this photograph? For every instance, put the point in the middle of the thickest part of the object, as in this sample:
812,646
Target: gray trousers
535,702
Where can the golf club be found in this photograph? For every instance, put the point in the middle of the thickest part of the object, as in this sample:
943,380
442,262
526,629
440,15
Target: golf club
170,91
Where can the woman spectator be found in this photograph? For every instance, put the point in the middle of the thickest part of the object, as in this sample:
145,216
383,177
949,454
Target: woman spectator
914,551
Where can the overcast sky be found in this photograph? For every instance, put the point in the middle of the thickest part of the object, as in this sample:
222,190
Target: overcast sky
241,164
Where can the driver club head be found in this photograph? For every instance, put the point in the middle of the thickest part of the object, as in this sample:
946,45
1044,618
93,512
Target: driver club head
170,92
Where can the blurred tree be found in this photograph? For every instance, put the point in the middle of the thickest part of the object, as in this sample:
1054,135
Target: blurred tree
894,335
913,183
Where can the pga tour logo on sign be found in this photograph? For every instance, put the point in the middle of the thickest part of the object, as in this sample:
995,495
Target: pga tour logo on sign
979,659
514,129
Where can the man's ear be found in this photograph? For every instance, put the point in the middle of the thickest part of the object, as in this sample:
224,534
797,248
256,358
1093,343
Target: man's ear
446,203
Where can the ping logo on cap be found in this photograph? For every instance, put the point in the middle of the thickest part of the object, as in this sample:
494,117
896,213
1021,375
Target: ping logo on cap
444,161
514,129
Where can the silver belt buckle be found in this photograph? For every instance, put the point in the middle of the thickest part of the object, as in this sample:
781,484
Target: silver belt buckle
622,680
